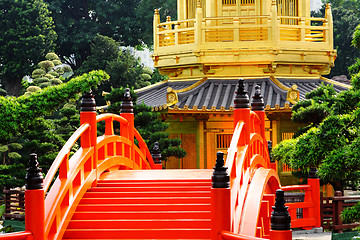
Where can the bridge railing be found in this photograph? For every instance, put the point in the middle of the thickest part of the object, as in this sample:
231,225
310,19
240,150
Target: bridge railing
261,30
252,182
311,217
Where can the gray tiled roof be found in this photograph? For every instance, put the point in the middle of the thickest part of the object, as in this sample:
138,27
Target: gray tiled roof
220,92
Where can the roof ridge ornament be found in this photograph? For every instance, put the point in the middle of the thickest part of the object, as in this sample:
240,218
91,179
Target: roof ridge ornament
171,97
293,95
241,99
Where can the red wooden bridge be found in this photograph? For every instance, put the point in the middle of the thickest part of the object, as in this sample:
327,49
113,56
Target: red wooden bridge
111,188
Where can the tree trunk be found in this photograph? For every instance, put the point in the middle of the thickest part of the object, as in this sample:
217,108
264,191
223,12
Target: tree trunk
13,87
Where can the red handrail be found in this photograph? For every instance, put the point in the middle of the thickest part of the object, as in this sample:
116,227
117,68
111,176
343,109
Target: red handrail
64,156
232,236
26,235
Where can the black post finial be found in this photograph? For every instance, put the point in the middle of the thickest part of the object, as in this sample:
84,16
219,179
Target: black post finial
34,178
220,177
241,99
258,100
88,103
156,153
127,105
312,173
280,217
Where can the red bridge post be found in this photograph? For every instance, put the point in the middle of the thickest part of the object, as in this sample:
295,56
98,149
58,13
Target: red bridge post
34,200
88,115
220,198
127,112
242,110
314,182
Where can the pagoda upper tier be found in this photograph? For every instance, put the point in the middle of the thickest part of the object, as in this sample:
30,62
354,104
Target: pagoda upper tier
230,38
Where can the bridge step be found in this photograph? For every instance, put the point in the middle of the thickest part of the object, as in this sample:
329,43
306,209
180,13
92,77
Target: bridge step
138,233
134,223
143,209
144,200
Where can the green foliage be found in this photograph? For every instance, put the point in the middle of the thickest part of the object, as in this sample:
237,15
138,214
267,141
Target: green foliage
46,65
14,155
157,77
51,56
152,129
316,105
354,68
331,140
2,210
49,73
346,17
24,129
33,89
17,114
78,22
356,38
13,226
4,148
352,214
26,34
145,15
69,120
12,175
122,66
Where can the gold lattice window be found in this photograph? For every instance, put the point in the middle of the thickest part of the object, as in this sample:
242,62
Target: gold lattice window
287,8
229,2
247,2
287,135
223,141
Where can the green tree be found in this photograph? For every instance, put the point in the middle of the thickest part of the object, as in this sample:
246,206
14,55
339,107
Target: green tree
145,15
23,125
50,72
355,68
17,114
122,66
331,139
78,22
345,18
128,22
149,125
26,34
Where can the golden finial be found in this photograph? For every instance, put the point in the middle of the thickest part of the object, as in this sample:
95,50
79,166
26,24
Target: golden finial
168,19
156,11
198,5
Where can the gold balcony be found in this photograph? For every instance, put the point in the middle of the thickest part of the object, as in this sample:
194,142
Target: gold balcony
249,45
